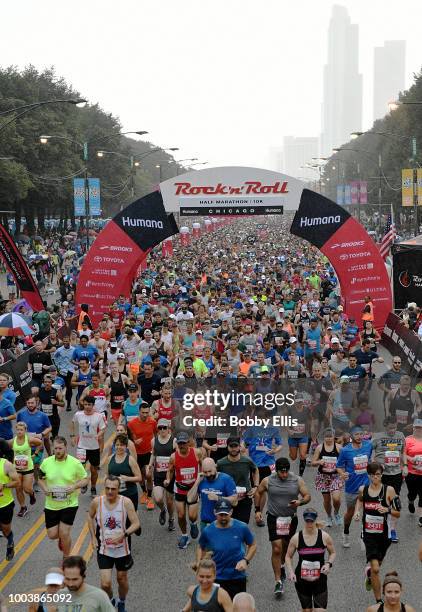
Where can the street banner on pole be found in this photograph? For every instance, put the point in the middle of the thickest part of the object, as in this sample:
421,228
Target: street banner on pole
354,192
407,187
94,197
347,194
363,192
79,196
340,195
419,186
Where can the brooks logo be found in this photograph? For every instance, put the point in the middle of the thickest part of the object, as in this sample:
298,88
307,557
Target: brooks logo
128,222
306,221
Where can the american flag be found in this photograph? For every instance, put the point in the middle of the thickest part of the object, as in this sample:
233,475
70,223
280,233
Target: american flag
389,236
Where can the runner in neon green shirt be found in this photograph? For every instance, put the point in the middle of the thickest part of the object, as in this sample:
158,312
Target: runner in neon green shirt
61,477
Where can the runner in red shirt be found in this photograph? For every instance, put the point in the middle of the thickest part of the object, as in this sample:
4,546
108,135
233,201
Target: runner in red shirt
143,430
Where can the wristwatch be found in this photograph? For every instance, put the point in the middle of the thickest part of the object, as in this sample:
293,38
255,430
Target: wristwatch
330,564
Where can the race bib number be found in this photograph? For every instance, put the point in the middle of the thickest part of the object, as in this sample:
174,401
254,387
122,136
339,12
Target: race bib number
366,367
329,465
37,368
162,463
394,386
100,404
187,474
119,398
59,493
374,524
292,374
310,570
81,454
360,464
47,409
402,416
312,344
122,486
241,492
21,462
392,458
222,440
417,462
340,410
282,526
109,535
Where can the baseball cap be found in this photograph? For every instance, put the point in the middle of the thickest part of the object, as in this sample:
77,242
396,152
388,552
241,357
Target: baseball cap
310,515
417,423
264,368
132,387
121,356
113,344
335,340
52,368
293,339
223,507
182,436
163,423
356,429
180,377
198,331
233,440
147,332
65,303
282,464
344,379
54,578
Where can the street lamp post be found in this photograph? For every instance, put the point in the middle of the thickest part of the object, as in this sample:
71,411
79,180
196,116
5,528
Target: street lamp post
85,156
26,108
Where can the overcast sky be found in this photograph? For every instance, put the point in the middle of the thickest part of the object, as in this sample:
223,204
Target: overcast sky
224,80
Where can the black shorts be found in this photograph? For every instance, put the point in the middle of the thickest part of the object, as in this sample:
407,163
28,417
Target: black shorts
25,472
64,515
143,459
122,564
159,482
393,480
376,547
414,488
272,530
182,497
312,594
6,514
264,471
93,456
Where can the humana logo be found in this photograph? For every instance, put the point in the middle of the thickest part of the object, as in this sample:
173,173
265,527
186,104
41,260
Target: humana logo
128,222
306,221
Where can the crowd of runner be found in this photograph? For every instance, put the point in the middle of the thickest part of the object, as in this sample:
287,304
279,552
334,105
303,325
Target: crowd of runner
244,313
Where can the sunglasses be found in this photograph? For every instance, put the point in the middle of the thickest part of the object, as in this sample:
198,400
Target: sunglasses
234,445
162,427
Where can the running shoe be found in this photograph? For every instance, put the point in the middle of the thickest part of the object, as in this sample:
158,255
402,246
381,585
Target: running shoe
278,589
183,542
23,512
162,517
346,540
260,522
338,520
32,499
171,526
36,488
368,583
329,522
93,491
420,521
394,536
144,498
10,552
411,507
194,531
150,504
84,489
121,606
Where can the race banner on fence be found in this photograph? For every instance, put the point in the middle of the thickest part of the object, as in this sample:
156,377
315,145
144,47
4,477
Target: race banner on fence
17,266
402,341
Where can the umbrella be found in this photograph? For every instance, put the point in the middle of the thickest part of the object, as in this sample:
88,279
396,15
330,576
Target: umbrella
21,303
12,324
69,254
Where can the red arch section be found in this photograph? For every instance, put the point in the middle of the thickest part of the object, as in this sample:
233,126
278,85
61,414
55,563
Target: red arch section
353,254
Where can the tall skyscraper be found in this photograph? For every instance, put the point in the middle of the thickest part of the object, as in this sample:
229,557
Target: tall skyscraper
342,103
389,74
297,152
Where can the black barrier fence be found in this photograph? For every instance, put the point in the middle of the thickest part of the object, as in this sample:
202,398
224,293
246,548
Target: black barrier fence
20,377
403,342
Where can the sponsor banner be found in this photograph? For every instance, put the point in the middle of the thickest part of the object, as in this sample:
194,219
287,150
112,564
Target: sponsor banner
94,197
79,197
407,275
18,268
407,187
340,195
363,192
167,248
20,377
113,260
419,185
354,192
347,194
402,341
351,251
231,188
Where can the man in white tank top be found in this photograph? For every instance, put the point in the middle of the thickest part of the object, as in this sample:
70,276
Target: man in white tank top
112,519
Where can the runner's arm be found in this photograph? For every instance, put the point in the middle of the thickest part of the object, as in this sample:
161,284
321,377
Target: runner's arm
316,461
391,494
303,490
170,470
328,541
137,476
293,544
263,487
133,517
193,495
10,470
59,399
224,600
358,505
92,523
188,605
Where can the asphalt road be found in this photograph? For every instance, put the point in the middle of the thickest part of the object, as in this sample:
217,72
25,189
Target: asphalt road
161,572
